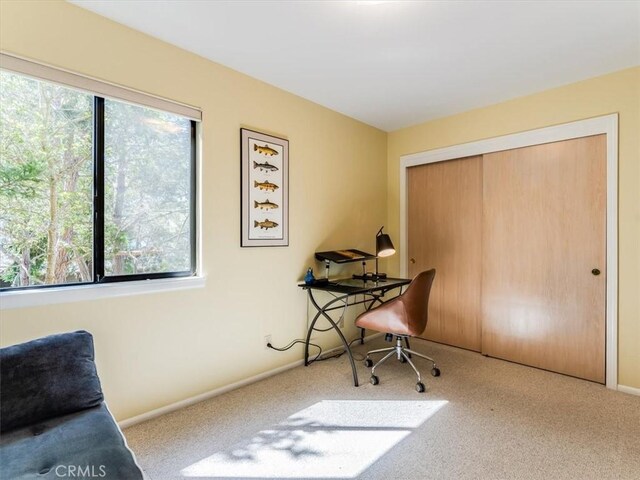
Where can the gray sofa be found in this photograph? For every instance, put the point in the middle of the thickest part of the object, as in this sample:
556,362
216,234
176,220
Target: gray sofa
53,419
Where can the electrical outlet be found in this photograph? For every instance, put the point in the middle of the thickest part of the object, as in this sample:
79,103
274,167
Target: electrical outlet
267,340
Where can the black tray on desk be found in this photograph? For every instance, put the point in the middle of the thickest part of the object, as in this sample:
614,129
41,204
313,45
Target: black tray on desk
344,256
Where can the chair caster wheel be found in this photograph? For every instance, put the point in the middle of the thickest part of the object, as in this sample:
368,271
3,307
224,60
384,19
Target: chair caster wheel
403,360
419,387
374,380
368,363
435,371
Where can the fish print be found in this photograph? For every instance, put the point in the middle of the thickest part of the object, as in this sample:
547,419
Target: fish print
266,150
265,205
267,224
265,166
268,186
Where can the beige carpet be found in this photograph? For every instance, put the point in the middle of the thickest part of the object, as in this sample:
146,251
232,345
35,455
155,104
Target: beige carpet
482,419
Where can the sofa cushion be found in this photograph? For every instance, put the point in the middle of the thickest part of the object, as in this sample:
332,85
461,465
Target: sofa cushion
47,377
86,444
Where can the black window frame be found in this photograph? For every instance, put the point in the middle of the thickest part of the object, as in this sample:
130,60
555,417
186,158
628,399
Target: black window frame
98,256
98,208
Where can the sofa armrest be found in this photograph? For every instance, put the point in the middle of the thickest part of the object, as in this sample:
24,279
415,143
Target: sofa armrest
47,377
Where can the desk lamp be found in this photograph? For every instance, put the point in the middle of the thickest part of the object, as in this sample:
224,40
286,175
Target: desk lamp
384,248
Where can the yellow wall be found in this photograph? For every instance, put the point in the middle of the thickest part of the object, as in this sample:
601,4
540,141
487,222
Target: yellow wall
156,349
616,92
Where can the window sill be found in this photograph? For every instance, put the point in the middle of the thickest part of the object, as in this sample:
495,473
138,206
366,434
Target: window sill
50,296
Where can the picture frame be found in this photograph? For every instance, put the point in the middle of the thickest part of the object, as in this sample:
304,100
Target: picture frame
264,161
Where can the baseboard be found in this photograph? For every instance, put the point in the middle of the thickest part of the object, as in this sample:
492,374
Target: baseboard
205,396
219,391
630,390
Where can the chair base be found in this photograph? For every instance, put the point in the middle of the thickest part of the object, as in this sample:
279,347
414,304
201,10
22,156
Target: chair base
403,354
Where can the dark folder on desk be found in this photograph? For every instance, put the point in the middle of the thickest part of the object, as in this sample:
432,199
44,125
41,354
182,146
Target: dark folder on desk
344,256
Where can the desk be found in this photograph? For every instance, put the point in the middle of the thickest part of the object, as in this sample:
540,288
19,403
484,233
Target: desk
347,288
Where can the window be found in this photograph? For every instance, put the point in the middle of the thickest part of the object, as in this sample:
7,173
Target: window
92,189
147,191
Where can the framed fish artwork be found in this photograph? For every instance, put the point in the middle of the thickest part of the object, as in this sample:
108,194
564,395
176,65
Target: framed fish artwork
264,190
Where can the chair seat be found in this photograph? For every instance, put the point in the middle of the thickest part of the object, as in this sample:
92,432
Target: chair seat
389,319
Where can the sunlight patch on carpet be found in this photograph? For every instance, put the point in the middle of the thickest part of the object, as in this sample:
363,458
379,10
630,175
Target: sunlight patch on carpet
331,439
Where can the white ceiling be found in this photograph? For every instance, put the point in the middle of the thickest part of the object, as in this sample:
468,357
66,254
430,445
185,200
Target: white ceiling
397,63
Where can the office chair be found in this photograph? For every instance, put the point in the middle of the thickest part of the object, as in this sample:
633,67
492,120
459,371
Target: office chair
403,317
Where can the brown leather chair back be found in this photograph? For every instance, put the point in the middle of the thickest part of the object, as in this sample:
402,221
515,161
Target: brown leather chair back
406,314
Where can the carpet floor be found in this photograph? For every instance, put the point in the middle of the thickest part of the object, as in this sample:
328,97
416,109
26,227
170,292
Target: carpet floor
482,419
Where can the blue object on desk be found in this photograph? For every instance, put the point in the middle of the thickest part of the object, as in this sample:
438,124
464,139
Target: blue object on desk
309,278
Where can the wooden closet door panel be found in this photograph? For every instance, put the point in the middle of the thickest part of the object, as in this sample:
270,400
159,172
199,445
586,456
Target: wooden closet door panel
444,232
544,231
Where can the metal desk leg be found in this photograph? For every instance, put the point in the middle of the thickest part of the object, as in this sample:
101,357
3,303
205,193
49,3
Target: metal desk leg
321,311
308,339
376,298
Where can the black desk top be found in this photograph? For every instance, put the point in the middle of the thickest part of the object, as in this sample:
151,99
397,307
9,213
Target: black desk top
354,285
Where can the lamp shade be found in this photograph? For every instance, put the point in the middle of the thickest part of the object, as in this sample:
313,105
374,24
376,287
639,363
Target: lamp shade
384,246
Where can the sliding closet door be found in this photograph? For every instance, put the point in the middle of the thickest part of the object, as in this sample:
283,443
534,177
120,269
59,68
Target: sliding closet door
444,232
543,262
